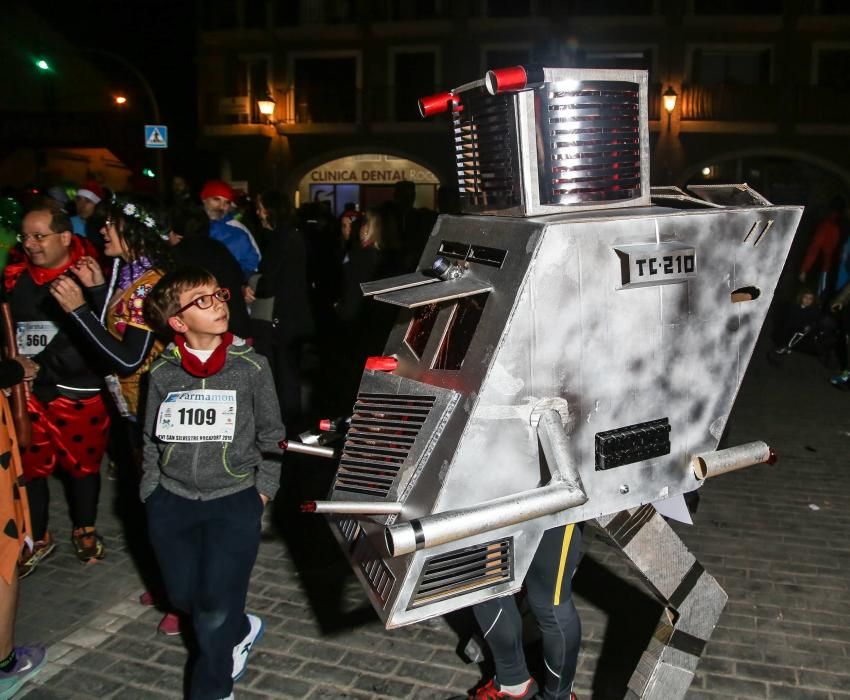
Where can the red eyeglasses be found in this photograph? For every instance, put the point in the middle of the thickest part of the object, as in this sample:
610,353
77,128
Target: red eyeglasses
205,301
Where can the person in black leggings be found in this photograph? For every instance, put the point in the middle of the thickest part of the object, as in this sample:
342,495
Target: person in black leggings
549,588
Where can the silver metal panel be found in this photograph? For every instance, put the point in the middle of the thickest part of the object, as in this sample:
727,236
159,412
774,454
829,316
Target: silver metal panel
679,199
391,284
729,195
411,297
622,356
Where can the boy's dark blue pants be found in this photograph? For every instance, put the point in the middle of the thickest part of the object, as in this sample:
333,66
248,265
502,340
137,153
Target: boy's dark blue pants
206,550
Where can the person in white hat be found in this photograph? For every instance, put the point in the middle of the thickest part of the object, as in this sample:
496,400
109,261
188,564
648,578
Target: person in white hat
88,197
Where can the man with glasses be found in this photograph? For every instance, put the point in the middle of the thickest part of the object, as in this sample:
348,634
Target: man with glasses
70,423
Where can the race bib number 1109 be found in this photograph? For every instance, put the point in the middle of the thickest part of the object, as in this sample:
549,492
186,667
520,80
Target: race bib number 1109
205,415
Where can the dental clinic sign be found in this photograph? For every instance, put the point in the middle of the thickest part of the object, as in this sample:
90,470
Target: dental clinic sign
356,170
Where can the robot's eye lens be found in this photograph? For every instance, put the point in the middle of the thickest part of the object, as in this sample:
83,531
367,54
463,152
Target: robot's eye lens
440,267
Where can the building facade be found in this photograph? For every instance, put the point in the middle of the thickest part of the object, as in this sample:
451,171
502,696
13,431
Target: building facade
762,86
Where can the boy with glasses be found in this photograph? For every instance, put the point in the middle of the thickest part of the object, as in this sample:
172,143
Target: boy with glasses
211,464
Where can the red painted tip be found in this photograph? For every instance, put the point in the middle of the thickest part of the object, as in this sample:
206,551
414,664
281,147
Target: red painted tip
308,507
773,458
326,424
381,363
436,104
283,444
505,79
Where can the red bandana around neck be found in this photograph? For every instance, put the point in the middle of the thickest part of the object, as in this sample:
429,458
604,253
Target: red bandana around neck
193,364
44,275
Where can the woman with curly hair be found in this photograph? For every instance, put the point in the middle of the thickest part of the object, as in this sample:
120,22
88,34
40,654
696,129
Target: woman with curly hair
112,318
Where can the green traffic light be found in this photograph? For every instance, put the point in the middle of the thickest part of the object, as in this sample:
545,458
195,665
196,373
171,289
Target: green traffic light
147,172
41,64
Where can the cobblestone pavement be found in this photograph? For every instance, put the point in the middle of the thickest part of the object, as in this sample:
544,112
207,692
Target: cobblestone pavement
775,537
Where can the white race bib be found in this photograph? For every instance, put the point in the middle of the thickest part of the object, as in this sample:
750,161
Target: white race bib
203,415
33,336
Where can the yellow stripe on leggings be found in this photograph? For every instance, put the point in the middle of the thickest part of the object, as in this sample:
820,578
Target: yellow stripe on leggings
565,550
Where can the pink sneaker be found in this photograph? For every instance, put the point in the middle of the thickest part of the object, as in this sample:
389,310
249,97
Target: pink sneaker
169,625
147,599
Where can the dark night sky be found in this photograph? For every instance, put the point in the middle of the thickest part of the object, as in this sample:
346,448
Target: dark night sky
158,37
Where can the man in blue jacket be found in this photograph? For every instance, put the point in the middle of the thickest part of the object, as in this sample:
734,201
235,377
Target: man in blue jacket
218,198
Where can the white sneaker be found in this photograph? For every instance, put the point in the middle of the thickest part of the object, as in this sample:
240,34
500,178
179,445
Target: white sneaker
241,650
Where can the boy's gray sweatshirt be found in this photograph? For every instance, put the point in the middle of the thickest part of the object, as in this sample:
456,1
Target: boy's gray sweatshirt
207,470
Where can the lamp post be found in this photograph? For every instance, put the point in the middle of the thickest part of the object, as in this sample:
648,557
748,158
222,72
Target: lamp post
669,98
43,64
160,161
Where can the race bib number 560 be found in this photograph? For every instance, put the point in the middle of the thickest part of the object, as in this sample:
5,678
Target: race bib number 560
205,415
33,336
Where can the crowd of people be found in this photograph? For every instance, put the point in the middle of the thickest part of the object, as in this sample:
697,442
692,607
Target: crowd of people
138,330
818,321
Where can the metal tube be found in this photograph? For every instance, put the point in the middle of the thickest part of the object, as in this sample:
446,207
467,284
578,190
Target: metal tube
352,507
301,448
453,525
556,449
732,458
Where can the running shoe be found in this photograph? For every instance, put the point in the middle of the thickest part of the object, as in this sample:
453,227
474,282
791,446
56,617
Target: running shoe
241,650
28,662
491,691
88,544
41,549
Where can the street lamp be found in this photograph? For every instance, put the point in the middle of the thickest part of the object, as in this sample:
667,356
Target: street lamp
160,164
669,98
266,106
44,66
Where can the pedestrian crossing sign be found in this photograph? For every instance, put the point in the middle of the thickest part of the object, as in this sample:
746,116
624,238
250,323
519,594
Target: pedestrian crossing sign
156,136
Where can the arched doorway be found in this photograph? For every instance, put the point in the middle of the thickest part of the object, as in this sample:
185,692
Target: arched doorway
365,180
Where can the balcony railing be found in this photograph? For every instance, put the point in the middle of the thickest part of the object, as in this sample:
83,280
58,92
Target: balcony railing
329,105
822,105
381,104
755,103
319,105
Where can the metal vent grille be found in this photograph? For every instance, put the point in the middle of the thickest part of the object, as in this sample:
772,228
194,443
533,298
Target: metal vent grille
465,570
349,528
485,151
592,143
383,430
380,578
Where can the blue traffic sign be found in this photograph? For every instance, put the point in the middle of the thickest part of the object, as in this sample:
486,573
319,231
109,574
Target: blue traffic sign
156,136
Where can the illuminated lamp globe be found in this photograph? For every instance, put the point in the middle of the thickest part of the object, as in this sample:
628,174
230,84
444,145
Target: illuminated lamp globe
266,107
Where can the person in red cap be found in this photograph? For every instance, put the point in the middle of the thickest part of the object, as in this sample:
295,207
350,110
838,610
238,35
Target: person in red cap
217,197
88,197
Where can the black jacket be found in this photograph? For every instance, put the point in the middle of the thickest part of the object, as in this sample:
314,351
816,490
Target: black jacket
284,277
66,361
